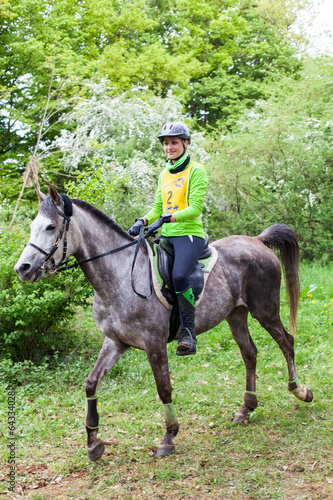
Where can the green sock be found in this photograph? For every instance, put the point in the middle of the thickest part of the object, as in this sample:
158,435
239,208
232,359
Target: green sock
188,294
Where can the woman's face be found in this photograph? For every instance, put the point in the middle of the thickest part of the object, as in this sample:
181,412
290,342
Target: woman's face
173,147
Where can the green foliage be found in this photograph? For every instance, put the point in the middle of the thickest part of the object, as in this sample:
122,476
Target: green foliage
40,55
90,186
34,316
277,165
115,142
258,52
217,55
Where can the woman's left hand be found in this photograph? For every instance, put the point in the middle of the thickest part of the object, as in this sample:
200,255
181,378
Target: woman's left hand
152,229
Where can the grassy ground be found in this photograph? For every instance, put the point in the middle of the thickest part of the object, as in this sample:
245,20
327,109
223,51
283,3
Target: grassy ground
284,453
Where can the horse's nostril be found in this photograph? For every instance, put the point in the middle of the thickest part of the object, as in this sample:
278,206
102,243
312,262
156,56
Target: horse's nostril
24,268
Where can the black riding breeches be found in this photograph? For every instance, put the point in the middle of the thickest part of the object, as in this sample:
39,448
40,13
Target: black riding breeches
187,252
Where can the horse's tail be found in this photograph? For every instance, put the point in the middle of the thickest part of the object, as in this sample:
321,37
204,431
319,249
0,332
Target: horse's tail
280,237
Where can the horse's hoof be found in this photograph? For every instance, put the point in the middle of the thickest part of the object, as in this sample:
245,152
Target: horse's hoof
309,396
240,419
96,452
165,449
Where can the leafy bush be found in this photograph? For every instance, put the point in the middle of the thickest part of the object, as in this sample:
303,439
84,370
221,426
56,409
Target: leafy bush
34,317
277,166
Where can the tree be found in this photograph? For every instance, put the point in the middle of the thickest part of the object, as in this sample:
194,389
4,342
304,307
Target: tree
264,51
37,46
62,38
277,165
218,57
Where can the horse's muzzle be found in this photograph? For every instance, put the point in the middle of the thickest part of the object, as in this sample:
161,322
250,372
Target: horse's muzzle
27,272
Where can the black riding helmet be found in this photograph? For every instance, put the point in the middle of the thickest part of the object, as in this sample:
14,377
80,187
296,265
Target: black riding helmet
175,129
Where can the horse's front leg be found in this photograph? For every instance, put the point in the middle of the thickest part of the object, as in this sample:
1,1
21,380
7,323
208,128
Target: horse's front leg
107,358
158,359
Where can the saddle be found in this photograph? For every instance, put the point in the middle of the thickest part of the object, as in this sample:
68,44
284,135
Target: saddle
164,258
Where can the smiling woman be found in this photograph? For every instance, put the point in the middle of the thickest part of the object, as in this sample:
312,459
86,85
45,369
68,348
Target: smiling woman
179,201
173,147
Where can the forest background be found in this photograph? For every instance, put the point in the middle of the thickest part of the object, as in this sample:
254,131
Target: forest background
85,88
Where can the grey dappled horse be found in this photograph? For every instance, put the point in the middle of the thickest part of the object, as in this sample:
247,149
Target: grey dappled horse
246,278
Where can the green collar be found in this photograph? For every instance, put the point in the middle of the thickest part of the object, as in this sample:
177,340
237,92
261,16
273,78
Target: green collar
170,166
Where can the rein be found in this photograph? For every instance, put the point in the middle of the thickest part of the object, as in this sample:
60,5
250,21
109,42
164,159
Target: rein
63,264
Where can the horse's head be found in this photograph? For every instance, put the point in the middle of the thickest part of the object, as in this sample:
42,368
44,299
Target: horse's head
47,245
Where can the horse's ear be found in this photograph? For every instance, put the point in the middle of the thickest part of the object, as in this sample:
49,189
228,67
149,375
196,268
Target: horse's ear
54,195
41,196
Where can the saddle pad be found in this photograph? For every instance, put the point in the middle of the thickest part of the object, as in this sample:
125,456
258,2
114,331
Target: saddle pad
158,287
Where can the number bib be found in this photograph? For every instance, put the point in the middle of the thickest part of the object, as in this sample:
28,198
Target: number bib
174,188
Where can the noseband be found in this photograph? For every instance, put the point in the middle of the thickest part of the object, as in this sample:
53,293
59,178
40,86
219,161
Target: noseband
66,218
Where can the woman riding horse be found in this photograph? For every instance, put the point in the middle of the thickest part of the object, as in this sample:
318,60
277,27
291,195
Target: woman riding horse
179,201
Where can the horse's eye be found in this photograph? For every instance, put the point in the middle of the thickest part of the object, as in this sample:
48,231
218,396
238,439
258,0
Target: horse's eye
50,227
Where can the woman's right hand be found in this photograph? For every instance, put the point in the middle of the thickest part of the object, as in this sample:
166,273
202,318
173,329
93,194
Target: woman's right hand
135,229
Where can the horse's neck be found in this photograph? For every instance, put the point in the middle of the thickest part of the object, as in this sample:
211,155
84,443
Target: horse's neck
94,237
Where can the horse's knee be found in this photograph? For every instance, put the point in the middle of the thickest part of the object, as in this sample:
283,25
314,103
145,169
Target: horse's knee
290,339
250,357
254,347
165,395
91,385
249,354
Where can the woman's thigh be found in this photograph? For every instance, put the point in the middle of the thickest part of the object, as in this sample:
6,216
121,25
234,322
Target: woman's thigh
187,252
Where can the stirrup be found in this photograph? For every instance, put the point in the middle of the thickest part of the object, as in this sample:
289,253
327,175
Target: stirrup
186,343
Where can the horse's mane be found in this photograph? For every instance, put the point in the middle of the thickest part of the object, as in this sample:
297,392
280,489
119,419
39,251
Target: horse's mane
102,217
49,209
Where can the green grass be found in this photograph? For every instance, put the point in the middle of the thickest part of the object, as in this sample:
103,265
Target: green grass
285,452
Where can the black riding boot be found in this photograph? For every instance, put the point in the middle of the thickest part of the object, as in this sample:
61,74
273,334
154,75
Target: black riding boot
187,339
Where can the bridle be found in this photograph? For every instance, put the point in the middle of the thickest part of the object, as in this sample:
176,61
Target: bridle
62,235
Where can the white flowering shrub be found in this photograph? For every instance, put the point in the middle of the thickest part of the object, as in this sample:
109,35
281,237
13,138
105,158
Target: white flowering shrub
118,136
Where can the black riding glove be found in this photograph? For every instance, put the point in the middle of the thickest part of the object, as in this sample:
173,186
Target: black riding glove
152,229
135,229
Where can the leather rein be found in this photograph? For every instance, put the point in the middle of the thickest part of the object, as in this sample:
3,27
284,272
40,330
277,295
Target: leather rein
63,264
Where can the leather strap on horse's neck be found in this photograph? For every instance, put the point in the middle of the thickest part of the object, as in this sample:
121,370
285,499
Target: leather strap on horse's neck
62,266
142,240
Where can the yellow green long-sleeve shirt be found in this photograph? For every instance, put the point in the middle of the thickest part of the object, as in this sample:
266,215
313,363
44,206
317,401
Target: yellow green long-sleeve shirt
188,220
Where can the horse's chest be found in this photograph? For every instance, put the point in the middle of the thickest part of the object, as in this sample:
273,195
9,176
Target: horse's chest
129,325
107,319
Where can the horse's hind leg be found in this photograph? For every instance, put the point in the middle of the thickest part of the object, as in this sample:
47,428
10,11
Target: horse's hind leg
158,359
272,323
238,325
107,358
